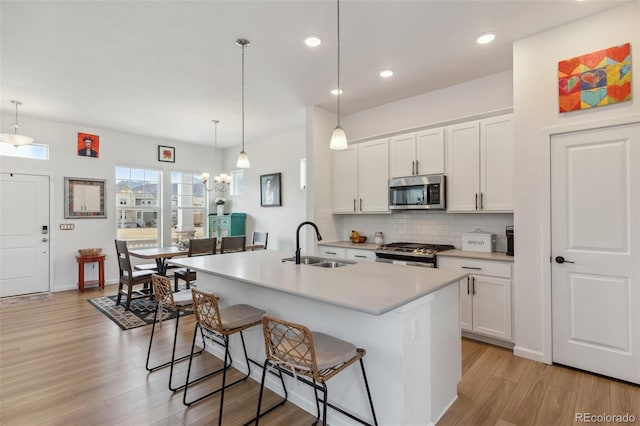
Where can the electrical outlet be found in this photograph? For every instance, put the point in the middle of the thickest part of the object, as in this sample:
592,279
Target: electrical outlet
67,226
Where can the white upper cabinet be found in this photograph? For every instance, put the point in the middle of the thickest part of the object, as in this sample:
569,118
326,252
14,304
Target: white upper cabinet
361,178
420,153
480,165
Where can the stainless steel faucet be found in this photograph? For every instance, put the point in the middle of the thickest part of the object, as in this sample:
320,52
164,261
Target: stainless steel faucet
298,238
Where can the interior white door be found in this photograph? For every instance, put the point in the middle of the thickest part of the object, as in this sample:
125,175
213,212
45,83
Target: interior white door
24,248
595,223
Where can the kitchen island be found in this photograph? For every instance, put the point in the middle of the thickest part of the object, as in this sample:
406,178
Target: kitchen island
406,318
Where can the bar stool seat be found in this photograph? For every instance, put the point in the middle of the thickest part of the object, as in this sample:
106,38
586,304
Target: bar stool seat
311,357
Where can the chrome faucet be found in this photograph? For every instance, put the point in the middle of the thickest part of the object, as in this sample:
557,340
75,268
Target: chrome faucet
298,238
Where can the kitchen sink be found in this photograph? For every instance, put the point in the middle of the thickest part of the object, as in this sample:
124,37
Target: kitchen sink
306,260
332,264
320,262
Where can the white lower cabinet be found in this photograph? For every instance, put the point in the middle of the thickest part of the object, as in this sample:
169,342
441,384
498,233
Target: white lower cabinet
485,296
359,255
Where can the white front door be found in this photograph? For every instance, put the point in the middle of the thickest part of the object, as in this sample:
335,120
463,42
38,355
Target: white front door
595,246
24,248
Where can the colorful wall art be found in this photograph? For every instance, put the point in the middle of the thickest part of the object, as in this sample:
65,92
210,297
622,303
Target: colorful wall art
595,79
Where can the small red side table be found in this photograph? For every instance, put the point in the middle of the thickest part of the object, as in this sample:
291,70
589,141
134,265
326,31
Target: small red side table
99,258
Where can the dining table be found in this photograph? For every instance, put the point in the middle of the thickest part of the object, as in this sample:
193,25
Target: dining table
161,254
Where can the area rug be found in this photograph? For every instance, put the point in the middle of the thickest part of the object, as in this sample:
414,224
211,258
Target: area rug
140,312
28,298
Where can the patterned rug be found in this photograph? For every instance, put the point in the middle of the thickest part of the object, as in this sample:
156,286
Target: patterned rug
140,312
28,298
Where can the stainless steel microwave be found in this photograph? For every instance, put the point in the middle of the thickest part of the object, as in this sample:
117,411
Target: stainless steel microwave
417,192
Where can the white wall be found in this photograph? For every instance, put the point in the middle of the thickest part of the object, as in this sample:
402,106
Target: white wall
115,149
275,154
536,108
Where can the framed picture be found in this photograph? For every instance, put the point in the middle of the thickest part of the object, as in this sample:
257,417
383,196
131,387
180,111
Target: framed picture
270,190
84,198
166,154
88,145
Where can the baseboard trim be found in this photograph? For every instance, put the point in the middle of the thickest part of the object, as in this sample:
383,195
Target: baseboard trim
486,339
528,353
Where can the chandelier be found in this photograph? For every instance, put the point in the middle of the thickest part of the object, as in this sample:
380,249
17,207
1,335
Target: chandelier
222,181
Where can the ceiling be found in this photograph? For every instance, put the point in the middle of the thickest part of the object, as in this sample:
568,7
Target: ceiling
166,69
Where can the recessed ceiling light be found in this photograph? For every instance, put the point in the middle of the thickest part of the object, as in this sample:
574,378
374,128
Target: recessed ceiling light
336,92
312,41
485,38
386,73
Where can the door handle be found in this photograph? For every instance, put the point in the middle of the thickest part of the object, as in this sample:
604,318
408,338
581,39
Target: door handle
560,259
44,240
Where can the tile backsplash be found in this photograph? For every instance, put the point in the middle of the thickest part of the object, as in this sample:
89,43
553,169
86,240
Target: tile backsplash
437,227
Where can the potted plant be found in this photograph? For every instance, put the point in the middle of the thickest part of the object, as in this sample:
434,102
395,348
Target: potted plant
220,202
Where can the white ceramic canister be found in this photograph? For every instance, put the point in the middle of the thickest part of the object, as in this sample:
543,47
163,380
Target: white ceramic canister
378,239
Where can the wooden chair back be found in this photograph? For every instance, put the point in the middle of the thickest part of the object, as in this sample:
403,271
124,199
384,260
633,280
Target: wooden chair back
230,244
124,262
260,238
202,246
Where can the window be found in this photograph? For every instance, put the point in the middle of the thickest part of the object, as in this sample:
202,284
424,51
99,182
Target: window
237,182
34,151
188,206
138,206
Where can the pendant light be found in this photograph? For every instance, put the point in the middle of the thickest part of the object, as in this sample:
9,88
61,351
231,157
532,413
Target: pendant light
243,158
338,137
14,138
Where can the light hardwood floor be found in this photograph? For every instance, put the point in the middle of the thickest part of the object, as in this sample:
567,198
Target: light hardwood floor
64,363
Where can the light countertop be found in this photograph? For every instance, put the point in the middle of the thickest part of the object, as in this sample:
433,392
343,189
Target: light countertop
349,244
373,288
476,255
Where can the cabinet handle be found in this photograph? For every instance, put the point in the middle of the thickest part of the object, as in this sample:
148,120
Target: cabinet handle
475,268
360,204
417,167
473,286
331,252
476,201
481,203
360,256
354,204
468,290
413,168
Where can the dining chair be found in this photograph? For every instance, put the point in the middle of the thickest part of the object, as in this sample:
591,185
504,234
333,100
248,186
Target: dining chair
170,302
130,278
220,323
197,247
231,244
260,238
312,358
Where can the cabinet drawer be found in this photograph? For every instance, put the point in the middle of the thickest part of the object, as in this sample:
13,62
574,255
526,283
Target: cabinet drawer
361,255
332,252
479,267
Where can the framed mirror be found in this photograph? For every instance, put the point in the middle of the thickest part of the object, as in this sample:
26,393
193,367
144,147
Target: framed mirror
84,198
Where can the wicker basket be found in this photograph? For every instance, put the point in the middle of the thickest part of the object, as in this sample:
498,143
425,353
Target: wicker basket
89,251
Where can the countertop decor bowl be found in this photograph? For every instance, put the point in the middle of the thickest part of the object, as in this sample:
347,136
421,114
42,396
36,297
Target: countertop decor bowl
90,251
362,239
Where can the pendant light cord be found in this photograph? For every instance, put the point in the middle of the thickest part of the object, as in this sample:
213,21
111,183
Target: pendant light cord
243,46
339,89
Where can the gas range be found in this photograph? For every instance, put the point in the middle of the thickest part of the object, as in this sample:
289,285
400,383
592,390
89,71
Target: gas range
415,254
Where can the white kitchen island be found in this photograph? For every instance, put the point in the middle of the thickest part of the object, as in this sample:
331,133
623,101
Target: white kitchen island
407,319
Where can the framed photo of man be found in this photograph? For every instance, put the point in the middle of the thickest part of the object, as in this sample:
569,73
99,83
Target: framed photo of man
270,190
88,145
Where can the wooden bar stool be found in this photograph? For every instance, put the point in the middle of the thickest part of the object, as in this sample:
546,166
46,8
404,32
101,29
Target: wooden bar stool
220,323
312,358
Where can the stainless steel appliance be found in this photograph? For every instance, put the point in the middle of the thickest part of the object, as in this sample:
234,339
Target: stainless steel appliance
417,192
414,254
